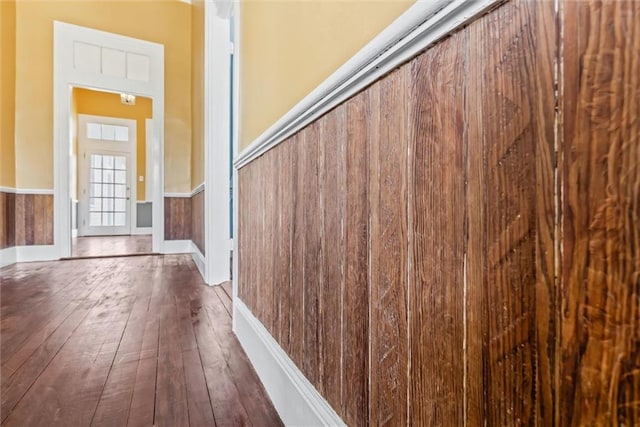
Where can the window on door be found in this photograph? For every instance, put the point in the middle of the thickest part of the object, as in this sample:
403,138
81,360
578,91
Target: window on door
108,190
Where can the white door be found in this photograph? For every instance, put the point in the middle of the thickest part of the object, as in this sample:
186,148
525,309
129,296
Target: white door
106,175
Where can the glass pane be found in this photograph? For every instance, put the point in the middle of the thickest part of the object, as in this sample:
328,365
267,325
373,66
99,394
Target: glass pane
107,162
121,177
95,219
107,205
95,205
121,191
119,220
121,162
121,205
96,161
122,133
107,176
93,130
107,190
107,218
108,132
96,190
96,175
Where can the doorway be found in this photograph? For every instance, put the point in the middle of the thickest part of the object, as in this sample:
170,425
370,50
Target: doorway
109,174
106,62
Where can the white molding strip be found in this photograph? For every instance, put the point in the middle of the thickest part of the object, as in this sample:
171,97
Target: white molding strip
40,191
198,189
37,253
294,397
177,247
422,25
8,256
74,233
198,259
141,231
177,195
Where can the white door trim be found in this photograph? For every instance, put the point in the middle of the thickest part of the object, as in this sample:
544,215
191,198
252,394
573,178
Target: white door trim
66,76
216,142
130,148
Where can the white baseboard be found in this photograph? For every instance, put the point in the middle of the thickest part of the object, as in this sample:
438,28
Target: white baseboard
34,253
74,233
298,403
198,258
8,256
177,247
141,231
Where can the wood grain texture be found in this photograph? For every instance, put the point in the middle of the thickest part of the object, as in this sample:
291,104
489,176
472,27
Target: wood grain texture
33,219
388,259
601,180
133,341
177,218
7,220
355,337
436,234
197,220
333,198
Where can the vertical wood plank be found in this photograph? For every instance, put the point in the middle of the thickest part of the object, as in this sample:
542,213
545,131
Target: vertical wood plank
297,250
285,223
436,234
313,255
600,240
333,204
388,255
516,93
356,287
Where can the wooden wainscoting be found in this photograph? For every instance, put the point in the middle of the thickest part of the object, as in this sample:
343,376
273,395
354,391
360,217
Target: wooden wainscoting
33,219
7,220
355,234
197,220
177,218
600,316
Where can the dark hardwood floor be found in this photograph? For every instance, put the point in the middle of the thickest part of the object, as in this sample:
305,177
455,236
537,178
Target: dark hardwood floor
101,246
137,341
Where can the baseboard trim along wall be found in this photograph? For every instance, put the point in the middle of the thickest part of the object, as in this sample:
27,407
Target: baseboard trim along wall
177,246
33,253
141,231
293,396
198,258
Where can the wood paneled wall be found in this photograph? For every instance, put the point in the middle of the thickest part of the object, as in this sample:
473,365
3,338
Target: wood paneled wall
184,219
197,220
7,220
177,218
444,248
600,166
26,219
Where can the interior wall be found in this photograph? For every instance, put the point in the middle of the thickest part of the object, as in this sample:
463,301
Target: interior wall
197,93
108,104
165,22
287,48
446,248
7,89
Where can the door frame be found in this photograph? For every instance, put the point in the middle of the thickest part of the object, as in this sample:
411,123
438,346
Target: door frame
65,77
132,168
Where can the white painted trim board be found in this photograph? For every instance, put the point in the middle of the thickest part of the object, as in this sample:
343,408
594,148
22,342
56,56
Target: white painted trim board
422,25
298,403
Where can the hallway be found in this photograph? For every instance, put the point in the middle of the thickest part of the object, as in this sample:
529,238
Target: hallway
134,341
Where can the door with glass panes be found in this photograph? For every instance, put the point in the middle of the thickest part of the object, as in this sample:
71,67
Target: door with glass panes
105,176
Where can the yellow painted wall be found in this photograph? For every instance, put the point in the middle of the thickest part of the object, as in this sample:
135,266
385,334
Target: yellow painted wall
197,93
160,21
288,48
7,92
109,105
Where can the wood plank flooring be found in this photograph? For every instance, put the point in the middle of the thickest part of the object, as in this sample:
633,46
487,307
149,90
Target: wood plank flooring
101,246
136,341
